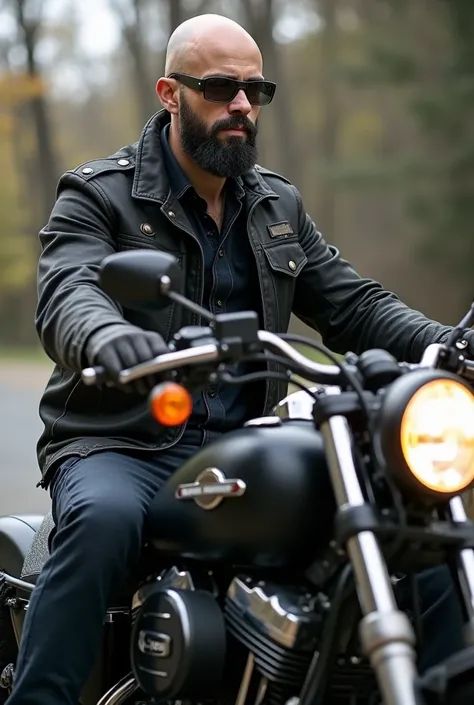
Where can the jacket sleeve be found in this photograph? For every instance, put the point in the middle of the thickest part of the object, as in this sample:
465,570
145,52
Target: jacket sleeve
71,306
354,313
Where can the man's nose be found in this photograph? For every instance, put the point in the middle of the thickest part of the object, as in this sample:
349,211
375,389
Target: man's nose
240,104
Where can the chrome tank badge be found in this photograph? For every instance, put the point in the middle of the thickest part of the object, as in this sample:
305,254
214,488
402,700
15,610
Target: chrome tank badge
210,488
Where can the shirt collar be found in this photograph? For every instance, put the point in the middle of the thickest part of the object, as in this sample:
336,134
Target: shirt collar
179,182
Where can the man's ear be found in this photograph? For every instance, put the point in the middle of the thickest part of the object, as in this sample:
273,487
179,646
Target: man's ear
167,90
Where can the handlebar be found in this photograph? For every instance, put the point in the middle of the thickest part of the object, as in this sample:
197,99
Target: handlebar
210,352
467,370
162,363
431,356
316,372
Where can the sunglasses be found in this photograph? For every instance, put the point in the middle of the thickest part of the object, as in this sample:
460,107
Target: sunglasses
220,89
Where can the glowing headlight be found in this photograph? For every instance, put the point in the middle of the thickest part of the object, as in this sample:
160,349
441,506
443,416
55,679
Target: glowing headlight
427,432
437,435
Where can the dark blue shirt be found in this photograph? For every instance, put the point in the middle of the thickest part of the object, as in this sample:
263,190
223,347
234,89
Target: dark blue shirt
230,285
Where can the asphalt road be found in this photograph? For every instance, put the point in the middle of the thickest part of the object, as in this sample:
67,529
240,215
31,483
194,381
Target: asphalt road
21,386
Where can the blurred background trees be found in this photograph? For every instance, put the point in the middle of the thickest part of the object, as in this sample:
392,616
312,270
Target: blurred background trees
373,121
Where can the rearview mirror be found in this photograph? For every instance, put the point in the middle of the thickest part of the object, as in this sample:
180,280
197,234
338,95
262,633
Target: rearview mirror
141,278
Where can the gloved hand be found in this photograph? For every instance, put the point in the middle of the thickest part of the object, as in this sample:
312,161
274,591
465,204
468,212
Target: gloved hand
118,347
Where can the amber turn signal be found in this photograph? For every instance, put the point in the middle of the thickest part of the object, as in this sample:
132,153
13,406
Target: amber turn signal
171,404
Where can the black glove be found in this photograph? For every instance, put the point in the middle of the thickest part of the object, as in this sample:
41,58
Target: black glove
120,346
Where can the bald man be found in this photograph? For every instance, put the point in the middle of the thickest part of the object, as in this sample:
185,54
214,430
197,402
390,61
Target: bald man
191,187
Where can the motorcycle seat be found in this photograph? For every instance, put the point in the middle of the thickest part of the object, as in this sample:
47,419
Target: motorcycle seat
17,533
38,551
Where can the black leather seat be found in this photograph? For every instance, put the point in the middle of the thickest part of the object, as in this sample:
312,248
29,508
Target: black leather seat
17,534
38,551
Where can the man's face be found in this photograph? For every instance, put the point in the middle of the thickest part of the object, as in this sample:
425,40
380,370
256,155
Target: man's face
221,137
226,147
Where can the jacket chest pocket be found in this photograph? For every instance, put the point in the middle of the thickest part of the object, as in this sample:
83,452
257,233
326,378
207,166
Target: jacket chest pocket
127,241
286,258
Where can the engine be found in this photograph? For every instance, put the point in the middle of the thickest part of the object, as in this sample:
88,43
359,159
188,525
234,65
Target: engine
280,629
254,645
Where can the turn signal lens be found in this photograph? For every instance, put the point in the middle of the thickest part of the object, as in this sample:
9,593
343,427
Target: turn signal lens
171,404
437,436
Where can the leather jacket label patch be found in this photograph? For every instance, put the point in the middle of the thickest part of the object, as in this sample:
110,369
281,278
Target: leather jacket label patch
281,229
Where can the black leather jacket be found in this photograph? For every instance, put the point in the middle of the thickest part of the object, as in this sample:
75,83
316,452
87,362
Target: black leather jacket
124,202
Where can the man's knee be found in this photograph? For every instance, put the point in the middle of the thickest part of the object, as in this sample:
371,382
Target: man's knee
99,512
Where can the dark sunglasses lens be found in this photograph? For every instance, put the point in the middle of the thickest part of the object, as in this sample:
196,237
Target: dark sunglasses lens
223,90
260,92
219,90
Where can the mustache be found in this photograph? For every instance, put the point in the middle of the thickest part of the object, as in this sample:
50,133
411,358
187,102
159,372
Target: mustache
235,122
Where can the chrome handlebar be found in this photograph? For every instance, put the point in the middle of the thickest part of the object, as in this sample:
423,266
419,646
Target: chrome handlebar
209,353
316,371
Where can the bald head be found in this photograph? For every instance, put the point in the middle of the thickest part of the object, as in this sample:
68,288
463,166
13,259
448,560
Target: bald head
203,36
215,133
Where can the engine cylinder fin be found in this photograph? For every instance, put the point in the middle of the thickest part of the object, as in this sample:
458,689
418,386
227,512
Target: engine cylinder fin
275,662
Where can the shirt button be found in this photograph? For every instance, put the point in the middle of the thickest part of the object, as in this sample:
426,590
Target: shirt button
219,302
221,253
212,391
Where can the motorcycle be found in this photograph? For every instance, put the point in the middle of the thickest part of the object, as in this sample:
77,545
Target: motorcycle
271,556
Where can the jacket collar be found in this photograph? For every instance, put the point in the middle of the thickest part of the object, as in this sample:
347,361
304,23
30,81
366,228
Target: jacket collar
151,179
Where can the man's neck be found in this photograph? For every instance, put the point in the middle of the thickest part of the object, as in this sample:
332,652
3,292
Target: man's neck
208,186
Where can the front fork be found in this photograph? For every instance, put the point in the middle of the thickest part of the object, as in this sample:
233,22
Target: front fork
386,634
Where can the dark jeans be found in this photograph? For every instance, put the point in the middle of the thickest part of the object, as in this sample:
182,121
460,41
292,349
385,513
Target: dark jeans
99,506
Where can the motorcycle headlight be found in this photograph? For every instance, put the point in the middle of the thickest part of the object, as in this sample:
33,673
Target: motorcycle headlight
427,432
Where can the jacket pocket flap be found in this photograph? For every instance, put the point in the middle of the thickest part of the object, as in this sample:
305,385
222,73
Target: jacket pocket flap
286,257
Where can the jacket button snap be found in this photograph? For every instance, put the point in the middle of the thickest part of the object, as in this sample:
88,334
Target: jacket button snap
172,214
87,170
123,162
147,229
292,265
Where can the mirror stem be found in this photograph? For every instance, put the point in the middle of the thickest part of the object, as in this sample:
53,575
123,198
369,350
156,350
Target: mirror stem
191,306
466,322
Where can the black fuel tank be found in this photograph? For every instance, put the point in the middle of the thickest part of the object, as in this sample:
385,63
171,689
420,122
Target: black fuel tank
284,516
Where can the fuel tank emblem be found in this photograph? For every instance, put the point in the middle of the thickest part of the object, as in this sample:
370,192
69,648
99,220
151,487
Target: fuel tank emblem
210,488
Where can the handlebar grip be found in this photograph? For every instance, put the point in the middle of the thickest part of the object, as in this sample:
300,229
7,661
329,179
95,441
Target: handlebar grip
93,375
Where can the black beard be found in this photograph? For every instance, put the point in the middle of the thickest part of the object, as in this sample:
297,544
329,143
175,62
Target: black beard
231,158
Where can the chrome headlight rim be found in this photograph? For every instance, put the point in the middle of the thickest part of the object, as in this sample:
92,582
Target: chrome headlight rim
388,441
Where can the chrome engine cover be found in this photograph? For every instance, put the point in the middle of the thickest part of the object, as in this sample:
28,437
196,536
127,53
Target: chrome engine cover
280,628
279,613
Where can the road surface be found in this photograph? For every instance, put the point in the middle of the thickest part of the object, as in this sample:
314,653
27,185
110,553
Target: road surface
21,386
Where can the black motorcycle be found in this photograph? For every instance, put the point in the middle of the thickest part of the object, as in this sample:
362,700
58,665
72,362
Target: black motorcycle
268,573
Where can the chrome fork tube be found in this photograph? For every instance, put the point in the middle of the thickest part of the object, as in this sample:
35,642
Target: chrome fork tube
387,636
